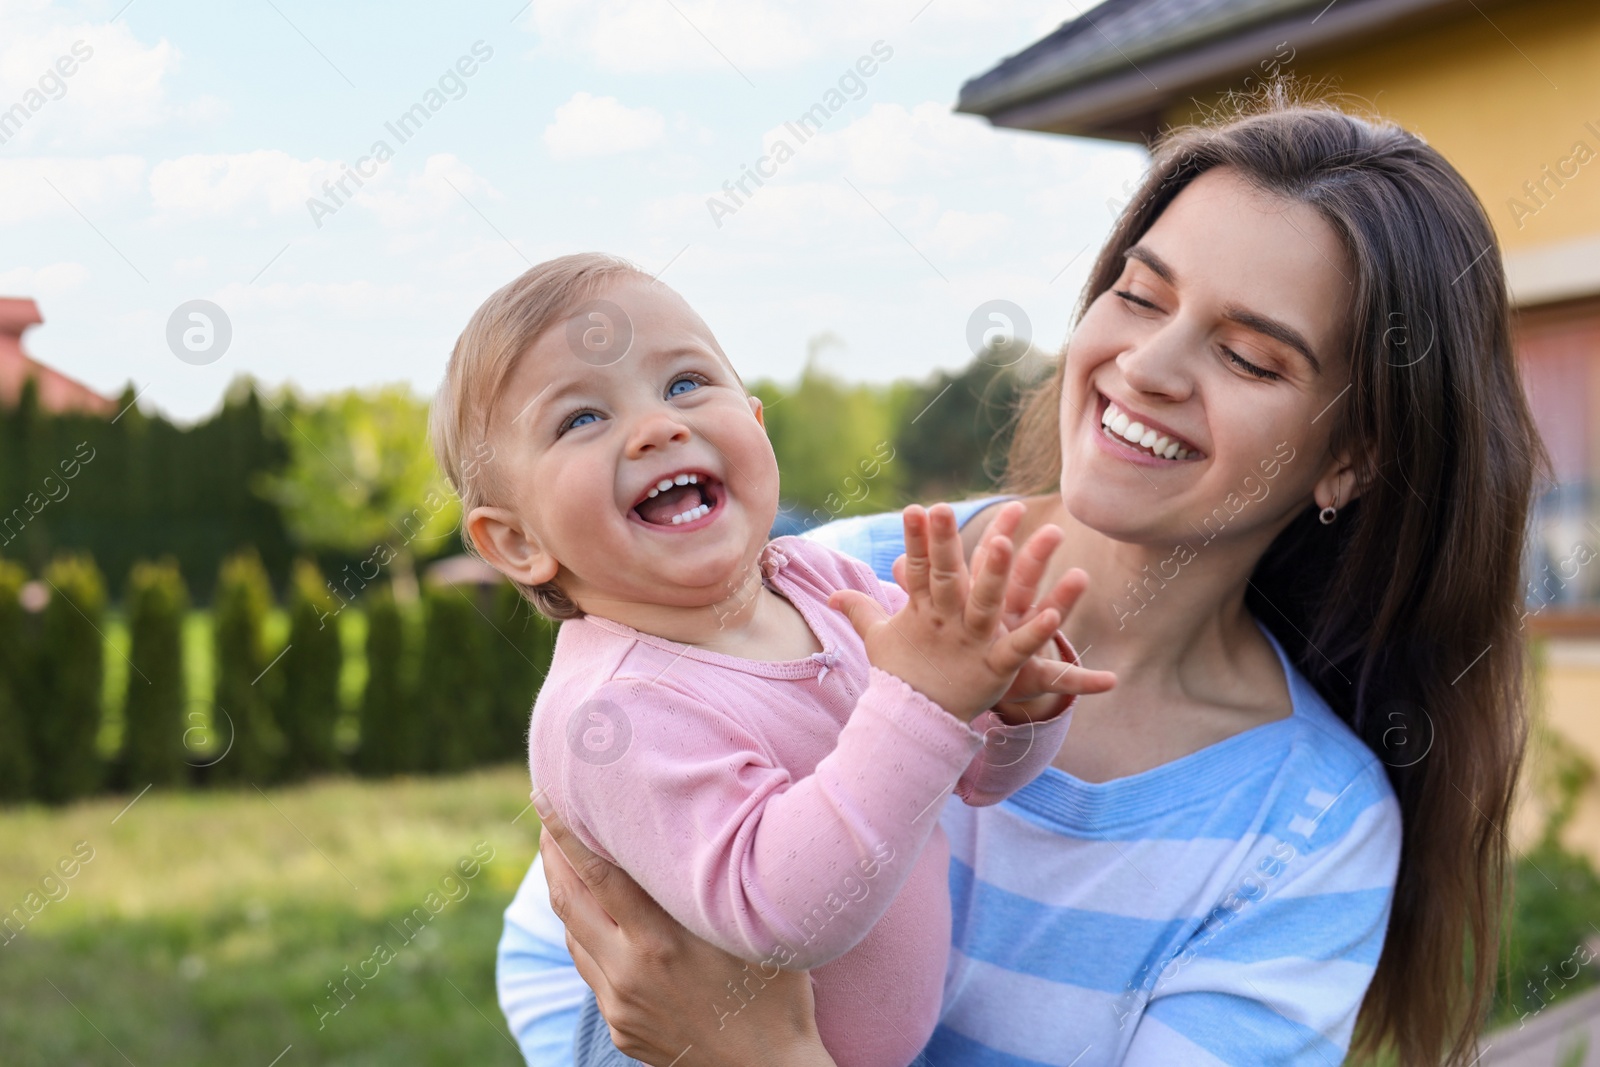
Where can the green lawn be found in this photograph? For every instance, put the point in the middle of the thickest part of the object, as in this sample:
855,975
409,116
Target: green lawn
207,926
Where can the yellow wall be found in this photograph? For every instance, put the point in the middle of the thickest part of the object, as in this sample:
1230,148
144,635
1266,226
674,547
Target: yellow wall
1473,91
1569,700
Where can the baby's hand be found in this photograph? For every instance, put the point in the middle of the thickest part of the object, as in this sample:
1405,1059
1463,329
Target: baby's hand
1048,681
948,642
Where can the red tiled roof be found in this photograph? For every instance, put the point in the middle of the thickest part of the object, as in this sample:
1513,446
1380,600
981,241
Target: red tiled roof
57,392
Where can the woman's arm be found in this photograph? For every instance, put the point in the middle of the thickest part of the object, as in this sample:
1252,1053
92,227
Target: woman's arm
540,991
662,989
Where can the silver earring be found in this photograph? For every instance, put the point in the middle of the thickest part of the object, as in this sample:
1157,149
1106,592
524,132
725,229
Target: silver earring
1328,514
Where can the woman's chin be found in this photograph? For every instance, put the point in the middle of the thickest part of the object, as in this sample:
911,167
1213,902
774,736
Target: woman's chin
1113,514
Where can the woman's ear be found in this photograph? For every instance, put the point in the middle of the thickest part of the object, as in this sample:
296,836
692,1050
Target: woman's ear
1340,483
500,538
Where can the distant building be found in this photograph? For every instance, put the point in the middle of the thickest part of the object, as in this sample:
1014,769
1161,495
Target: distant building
1510,94
57,392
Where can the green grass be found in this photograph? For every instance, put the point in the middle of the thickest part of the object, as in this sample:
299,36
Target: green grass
207,926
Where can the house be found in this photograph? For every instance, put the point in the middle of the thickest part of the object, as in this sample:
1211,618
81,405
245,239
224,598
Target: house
57,392
1509,93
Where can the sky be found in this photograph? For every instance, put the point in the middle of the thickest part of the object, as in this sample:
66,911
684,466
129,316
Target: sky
256,155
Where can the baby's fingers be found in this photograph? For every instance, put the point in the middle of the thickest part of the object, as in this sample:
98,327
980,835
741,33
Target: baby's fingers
1040,675
914,576
947,564
863,612
1015,648
1032,561
987,598
1065,593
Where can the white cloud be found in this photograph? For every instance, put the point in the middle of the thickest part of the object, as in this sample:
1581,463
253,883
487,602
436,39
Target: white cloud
428,194
116,86
238,185
44,282
589,125
84,184
958,232
751,36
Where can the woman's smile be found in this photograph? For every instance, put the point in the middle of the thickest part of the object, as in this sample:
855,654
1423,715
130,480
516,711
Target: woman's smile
1139,439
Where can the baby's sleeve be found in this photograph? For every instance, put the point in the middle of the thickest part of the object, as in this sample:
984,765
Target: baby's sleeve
701,814
1012,755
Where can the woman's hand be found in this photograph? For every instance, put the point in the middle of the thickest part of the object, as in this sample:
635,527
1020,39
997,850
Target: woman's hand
664,991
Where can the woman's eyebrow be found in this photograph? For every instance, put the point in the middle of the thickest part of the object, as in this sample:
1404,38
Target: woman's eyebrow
1154,262
1278,331
1250,320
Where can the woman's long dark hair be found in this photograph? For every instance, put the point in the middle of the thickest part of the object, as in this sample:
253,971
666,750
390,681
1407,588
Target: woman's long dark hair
1405,612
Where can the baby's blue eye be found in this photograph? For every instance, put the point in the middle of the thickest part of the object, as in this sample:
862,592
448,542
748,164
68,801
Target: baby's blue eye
578,419
673,390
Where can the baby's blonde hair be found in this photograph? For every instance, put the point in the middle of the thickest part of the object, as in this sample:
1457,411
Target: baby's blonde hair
504,327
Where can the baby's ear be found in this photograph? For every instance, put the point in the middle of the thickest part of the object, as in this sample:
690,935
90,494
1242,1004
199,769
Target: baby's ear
755,407
513,551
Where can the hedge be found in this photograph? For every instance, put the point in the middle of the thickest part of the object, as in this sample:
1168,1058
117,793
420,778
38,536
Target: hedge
308,698
16,684
450,681
393,736
153,712
455,685
241,707
65,721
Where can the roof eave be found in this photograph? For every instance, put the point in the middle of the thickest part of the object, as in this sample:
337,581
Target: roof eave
1126,104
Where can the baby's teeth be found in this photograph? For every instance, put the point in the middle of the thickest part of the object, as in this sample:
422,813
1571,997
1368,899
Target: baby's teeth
664,484
682,479
1133,431
694,479
1119,423
690,515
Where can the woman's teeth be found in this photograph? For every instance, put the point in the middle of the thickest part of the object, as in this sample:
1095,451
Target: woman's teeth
667,483
1114,420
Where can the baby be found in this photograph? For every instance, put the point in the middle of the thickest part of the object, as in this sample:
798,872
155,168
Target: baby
759,733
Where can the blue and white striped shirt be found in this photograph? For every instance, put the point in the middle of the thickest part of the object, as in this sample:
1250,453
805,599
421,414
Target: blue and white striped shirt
1227,907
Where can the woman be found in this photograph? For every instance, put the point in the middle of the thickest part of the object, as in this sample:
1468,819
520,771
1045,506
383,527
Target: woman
1311,605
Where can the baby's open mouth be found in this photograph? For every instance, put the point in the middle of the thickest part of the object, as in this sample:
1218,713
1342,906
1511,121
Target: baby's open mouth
681,498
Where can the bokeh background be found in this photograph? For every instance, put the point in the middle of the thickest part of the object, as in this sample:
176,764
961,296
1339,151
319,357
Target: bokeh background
262,723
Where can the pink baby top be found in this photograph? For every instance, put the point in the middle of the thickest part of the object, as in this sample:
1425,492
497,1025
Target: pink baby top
785,811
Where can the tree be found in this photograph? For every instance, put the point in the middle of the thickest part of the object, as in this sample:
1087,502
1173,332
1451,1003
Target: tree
456,680
834,442
521,652
18,672
393,736
153,749
955,443
361,480
308,706
66,721
241,714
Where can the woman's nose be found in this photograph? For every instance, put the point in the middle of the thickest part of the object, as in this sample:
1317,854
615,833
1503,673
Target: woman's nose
655,431
1161,363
